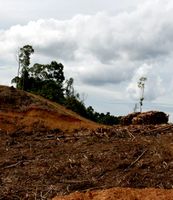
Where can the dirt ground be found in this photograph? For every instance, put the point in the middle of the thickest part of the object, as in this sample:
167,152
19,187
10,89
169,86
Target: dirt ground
48,163
48,151
121,194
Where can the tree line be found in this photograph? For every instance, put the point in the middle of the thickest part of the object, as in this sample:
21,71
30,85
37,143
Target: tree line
48,80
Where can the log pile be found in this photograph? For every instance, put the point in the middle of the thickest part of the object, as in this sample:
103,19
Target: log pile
151,117
127,120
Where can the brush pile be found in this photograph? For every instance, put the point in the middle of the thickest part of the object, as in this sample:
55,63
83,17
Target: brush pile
127,120
151,117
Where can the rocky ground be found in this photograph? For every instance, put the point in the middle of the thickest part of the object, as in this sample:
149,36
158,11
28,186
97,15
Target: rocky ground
48,163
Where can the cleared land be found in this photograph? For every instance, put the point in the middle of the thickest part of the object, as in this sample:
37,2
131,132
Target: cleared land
44,154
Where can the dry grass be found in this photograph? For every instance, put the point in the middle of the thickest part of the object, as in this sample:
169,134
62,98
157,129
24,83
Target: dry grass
21,110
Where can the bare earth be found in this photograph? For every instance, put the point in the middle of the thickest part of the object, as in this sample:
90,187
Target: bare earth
43,165
121,194
47,151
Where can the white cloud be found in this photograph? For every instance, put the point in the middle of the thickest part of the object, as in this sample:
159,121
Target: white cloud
102,49
153,85
22,11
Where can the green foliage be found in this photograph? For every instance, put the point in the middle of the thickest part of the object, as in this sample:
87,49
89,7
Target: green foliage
45,80
24,56
53,71
102,118
48,81
22,79
91,113
73,103
72,99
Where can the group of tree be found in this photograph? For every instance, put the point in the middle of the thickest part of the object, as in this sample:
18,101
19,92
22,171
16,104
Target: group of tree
48,80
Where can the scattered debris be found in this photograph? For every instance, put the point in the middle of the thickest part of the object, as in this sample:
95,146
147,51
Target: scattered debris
150,117
85,160
42,155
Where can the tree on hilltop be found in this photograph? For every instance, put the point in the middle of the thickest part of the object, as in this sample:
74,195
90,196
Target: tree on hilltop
22,77
141,85
47,80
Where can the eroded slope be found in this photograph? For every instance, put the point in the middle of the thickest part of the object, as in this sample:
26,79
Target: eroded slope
20,110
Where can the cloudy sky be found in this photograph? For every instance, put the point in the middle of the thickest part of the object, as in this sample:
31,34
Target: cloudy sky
105,45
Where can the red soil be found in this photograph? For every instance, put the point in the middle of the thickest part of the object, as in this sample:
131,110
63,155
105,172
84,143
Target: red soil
121,194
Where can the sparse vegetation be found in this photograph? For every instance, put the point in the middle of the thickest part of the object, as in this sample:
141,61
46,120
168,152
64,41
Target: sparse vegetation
141,85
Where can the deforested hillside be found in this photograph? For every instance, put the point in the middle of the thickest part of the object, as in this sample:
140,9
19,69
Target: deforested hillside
20,110
48,152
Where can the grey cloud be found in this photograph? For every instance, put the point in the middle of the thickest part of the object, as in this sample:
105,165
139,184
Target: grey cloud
109,48
142,35
104,51
101,79
59,49
102,74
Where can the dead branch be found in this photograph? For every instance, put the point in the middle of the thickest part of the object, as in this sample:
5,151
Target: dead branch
160,129
135,161
130,134
74,181
13,165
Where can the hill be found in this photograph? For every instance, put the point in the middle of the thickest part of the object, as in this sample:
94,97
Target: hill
24,111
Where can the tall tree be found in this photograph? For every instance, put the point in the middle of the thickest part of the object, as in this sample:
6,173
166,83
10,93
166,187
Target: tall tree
72,99
69,89
47,80
22,77
141,85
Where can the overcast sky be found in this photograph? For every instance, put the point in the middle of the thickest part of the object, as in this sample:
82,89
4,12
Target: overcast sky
105,45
